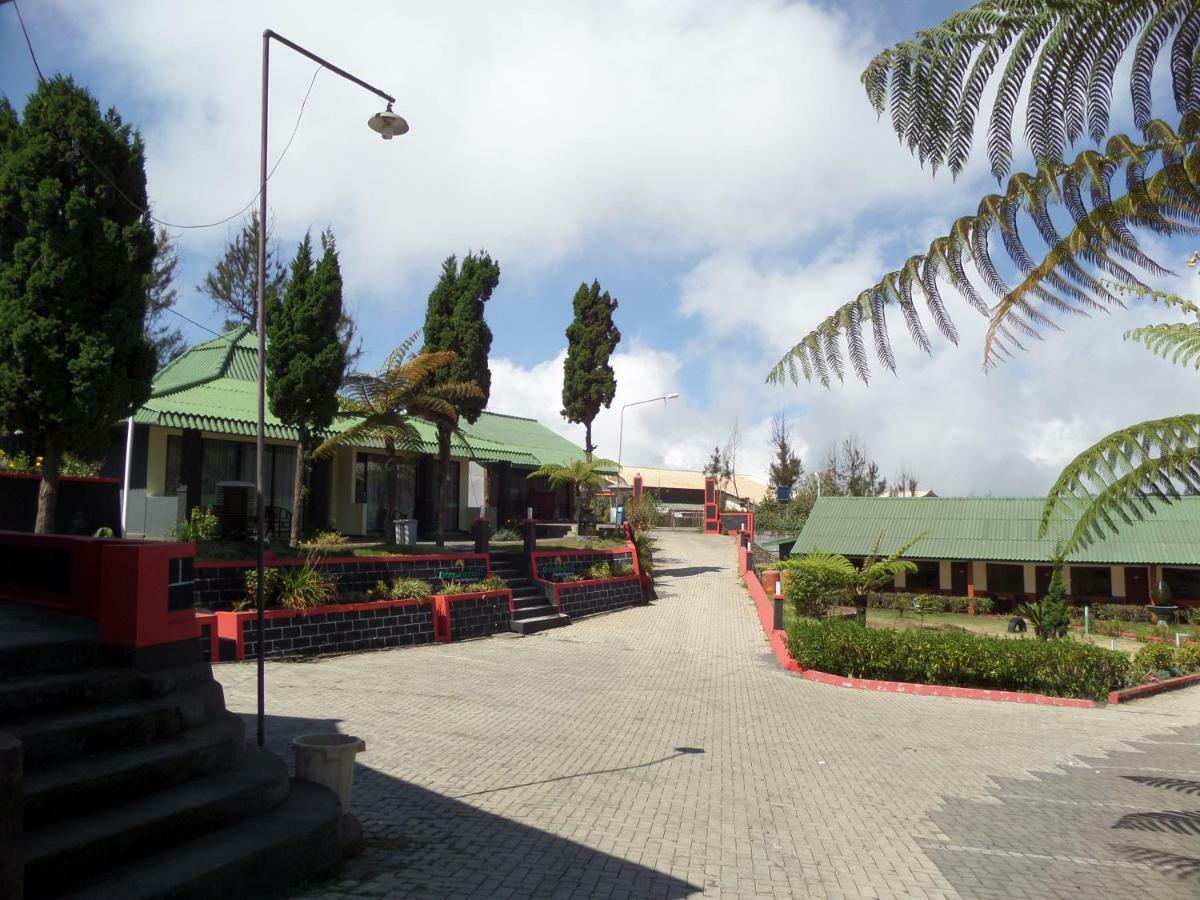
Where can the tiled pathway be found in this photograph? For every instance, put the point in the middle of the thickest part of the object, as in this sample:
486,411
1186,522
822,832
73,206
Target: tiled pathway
660,752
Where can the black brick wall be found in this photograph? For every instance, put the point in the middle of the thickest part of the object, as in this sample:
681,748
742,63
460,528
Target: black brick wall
577,562
343,631
206,641
604,596
479,617
219,587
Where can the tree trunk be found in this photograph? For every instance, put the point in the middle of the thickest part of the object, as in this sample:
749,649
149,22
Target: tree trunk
389,493
579,494
298,482
48,488
443,467
587,441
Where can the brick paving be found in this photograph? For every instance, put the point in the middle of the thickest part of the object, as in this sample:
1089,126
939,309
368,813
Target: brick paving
660,752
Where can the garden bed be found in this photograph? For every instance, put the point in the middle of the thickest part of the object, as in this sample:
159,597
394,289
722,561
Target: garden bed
220,585
564,576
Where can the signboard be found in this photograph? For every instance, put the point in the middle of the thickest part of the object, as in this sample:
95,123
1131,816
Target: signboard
783,493
461,574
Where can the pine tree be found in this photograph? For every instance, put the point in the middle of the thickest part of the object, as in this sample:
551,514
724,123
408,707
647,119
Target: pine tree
715,465
1056,617
232,285
306,360
161,295
454,321
76,250
588,379
786,470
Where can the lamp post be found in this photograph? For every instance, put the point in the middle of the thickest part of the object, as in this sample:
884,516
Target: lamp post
621,432
386,123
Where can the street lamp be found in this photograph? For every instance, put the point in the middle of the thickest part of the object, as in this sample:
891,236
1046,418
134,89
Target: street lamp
386,123
621,433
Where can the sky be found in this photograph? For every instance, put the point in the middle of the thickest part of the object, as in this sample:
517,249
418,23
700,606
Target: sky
716,166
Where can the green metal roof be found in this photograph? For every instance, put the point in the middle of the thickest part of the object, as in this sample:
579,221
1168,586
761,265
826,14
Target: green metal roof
212,387
993,528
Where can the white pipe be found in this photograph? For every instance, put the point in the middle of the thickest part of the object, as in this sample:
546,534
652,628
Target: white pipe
128,467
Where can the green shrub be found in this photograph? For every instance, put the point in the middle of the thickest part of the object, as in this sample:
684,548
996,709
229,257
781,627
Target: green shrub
642,512
104,532
643,545
1058,668
306,586
201,525
1187,658
506,534
483,585
620,570
411,589
889,600
270,589
1154,658
600,570
1122,612
813,590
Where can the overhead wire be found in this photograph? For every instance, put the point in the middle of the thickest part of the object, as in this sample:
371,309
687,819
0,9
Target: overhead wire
144,211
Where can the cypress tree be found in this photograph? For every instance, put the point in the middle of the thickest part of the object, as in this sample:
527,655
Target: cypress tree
306,360
76,251
454,321
588,380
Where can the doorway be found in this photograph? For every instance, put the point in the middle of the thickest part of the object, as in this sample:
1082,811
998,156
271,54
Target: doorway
1137,584
958,578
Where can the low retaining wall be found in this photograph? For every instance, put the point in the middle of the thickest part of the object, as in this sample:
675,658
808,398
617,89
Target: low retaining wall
546,565
587,598
220,584
209,643
84,504
462,616
327,629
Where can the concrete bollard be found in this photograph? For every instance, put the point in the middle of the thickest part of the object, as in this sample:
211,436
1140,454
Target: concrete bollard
777,624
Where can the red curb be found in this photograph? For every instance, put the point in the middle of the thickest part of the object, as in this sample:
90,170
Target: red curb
1157,687
778,641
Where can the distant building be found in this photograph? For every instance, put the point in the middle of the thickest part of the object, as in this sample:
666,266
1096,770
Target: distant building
908,492
989,546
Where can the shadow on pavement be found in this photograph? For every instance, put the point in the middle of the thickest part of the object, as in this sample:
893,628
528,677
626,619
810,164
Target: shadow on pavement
422,843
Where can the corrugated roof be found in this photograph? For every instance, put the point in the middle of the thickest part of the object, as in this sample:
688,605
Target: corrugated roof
684,479
212,387
993,528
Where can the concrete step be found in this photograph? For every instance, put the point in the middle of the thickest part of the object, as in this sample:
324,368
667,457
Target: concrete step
540,623
530,601
534,612
295,842
58,856
42,693
39,640
57,736
76,787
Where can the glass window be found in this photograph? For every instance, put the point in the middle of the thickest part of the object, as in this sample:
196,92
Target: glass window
174,464
1005,579
1184,583
220,463
928,576
1091,581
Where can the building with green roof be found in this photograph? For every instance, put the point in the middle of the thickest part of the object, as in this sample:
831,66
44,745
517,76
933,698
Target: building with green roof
990,546
198,429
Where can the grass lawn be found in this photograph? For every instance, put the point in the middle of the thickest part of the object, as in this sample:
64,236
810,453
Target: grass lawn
240,550
567,543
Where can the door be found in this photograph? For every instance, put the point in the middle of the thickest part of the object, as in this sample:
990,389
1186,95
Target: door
958,578
1137,584
1042,575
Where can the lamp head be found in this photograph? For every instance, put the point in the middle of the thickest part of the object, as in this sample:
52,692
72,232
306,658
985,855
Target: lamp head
387,123
671,396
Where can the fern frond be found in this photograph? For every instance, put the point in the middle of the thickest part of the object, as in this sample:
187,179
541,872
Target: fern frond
1124,476
1178,342
1067,52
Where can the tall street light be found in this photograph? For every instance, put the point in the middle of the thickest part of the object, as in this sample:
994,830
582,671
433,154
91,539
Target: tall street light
621,433
386,123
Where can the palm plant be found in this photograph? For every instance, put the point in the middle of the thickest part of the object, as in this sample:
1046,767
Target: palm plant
835,573
1068,53
387,405
580,474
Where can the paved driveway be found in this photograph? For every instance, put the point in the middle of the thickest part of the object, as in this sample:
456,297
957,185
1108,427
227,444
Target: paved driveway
660,752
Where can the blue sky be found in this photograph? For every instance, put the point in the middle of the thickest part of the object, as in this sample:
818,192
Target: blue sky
716,167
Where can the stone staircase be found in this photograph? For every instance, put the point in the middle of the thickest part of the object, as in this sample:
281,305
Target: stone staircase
532,612
139,784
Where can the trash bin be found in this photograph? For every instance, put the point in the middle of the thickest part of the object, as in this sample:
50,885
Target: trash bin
620,515
328,759
406,531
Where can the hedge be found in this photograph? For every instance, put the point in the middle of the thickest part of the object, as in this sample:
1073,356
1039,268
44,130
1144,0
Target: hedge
929,602
1058,668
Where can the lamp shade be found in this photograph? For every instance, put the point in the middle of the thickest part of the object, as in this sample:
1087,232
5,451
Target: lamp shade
388,124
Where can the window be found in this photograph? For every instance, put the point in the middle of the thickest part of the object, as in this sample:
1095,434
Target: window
174,464
928,576
1091,581
1005,579
234,461
1184,583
